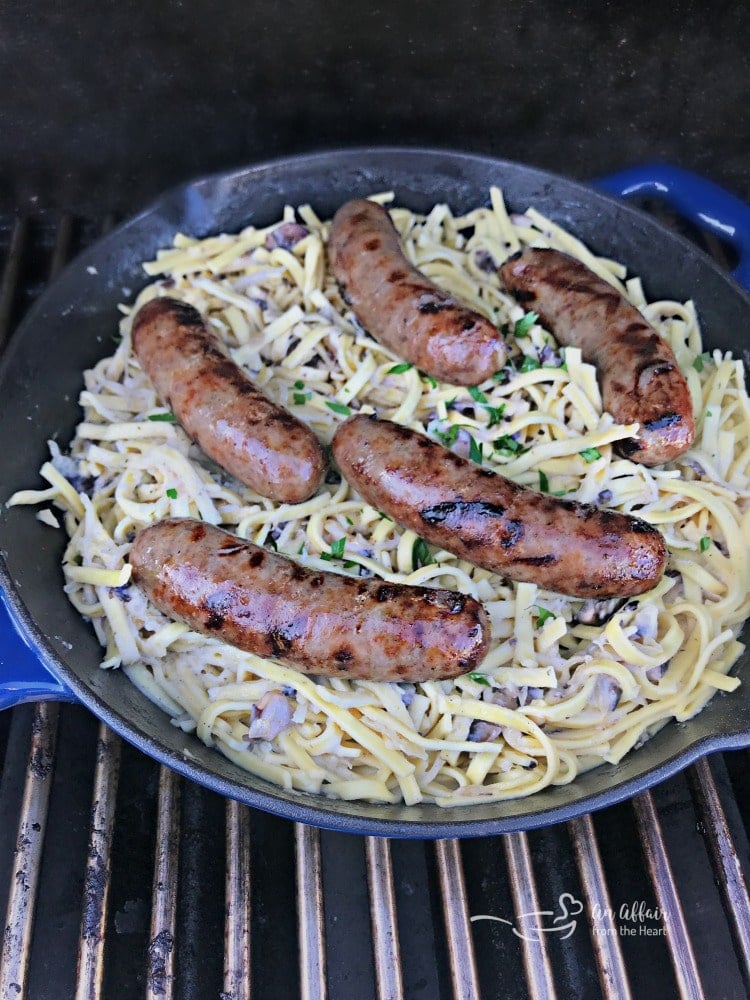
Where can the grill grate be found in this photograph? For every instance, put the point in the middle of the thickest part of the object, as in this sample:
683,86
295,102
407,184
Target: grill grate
119,879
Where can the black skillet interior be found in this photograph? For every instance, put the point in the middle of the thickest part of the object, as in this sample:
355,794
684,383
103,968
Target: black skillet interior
71,326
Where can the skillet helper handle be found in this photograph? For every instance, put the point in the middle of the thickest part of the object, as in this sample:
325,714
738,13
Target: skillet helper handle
697,199
23,677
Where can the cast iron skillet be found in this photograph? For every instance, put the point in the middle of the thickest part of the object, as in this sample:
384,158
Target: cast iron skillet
71,325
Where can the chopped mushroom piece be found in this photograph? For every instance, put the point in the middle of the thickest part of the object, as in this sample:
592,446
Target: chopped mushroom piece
274,715
483,732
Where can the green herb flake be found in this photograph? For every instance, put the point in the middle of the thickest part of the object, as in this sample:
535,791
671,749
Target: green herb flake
432,382
495,414
529,364
543,614
420,554
299,384
300,398
543,482
400,369
705,543
590,454
341,408
508,445
385,516
477,395
172,493
524,324
448,437
337,548
475,451
480,679
165,418
701,361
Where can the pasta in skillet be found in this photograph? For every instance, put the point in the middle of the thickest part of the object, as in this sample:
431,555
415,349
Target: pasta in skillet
567,684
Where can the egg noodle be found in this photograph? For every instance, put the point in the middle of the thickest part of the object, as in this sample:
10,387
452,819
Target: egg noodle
567,684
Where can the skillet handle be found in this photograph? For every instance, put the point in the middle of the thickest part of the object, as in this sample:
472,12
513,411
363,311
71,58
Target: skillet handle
697,199
23,677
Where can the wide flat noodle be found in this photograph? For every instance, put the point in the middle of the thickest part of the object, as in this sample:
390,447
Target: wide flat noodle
566,685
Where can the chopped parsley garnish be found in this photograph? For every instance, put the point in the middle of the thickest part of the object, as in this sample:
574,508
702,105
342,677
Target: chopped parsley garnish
449,437
341,408
524,324
400,369
590,454
480,679
495,413
701,361
420,554
508,445
172,493
705,543
543,482
300,397
475,451
385,516
337,550
166,418
432,382
529,364
543,614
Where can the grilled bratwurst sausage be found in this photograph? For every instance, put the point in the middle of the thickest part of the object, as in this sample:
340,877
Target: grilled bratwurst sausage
402,308
565,546
639,377
319,623
243,431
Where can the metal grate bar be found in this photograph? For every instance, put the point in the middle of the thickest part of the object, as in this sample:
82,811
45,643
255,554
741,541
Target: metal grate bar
310,916
89,979
536,958
61,251
724,858
32,825
11,274
160,977
457,922
385,944
604,932
680,946
237,984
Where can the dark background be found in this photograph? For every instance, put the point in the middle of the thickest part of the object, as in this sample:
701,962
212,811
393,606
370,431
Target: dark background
102,105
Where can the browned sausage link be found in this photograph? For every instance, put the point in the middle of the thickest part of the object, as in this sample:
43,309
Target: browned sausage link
572,548
401,307
639,377
243,431
319,623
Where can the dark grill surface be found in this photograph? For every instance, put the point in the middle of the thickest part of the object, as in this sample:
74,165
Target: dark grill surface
119,879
